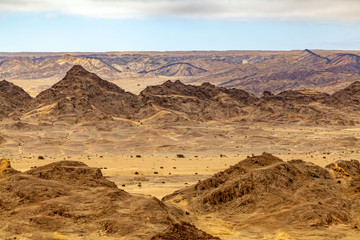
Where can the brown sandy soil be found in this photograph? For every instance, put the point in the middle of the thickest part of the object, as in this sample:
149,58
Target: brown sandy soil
207,148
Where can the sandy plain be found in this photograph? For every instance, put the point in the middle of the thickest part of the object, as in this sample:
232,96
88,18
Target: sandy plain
146,158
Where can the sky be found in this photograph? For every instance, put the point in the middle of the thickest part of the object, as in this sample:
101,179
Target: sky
177,25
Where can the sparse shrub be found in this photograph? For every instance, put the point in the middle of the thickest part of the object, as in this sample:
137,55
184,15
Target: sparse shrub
41,157
161,167
180,156
156,172
136,173
138,156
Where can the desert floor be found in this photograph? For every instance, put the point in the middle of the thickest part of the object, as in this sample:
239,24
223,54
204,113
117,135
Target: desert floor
142,158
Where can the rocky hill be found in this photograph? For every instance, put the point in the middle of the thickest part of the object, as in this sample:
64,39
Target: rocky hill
268,193
350,95
199,103
84,94
208,102
13,99
69,200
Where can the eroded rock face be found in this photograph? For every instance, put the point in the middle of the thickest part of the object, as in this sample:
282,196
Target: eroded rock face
13,99
6,169
84,96
199,103
350,95
271,193
68,199
72,172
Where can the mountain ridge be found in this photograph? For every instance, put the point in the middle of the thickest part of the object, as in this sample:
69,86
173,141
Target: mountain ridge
84,96
276,71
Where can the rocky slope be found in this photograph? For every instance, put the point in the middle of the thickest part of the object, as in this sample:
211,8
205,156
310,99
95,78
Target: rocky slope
69,200
200,103
266,192
208,102
84,94
13,99
350,95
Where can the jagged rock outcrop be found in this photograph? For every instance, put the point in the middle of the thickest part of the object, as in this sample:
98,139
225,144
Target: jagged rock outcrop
13,99
6,169
271,193
83,95
306,106
69,200
201,103
350,95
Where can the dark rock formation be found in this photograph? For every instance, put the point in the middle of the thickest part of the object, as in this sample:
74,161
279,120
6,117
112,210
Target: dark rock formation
71,200
84,95
13,99
268,192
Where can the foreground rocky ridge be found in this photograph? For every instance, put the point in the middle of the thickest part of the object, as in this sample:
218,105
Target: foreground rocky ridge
82,96
271,194
69,200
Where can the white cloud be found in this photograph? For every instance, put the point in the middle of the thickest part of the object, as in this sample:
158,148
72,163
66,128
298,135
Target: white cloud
238,10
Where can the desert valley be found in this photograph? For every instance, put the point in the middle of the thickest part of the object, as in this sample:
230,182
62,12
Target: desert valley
180,145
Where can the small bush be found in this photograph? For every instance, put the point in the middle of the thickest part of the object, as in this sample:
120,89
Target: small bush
138,156
41,157
180,156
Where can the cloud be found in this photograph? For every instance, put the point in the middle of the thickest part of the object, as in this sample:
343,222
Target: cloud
236,10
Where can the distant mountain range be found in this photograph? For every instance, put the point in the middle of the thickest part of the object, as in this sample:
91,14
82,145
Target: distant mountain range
82,96
252,71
